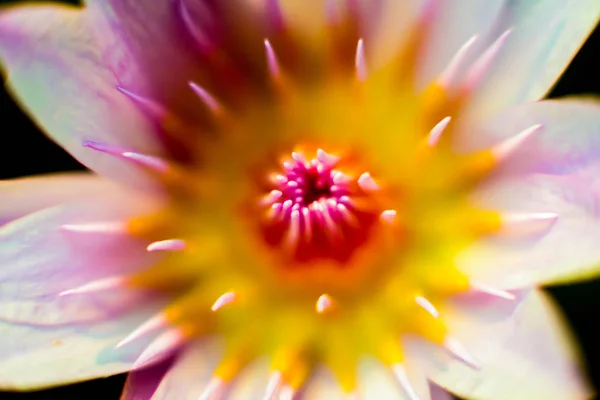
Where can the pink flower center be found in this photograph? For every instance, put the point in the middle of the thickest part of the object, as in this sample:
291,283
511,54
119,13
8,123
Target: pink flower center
316,210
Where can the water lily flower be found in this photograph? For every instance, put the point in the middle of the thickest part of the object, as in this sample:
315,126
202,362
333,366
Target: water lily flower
327,199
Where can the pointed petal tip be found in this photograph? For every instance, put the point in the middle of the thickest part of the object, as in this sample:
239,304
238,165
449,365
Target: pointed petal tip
451,72
273,385
96,286
150,107
525,224
388,216
492,291
223,300
167,245
97,227
484,63
209,100
162,346
324,303
215,388
508,146
154,323
272,62
402,378
436,132
427,306
154,163
459,351
360,61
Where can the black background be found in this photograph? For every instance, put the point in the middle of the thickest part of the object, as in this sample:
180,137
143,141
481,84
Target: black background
24,150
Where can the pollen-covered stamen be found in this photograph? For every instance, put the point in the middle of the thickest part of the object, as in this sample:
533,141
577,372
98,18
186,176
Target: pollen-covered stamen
316,209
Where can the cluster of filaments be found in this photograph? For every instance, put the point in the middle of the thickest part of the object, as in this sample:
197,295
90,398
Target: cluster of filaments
310,203
314,209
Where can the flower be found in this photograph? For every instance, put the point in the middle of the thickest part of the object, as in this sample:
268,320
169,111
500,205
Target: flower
338,198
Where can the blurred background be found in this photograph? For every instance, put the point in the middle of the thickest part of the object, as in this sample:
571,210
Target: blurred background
20,138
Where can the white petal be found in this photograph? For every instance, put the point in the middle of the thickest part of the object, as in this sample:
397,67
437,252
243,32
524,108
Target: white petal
48,339
23,196
191,373
323,385
137,36
545,36
252,382
378,382
557,172
35,357
524,355
57,74
456,22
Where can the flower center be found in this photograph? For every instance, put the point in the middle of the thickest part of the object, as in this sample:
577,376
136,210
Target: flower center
318,209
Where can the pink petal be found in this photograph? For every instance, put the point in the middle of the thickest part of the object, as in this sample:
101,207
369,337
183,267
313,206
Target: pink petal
438,393
142,384
55,71
33,357
527,354
137,36
555,172
24,196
